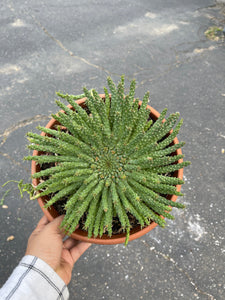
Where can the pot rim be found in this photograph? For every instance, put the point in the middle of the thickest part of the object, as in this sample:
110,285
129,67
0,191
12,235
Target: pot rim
81,235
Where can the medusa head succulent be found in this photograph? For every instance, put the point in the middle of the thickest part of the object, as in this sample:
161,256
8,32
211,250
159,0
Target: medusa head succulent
111,161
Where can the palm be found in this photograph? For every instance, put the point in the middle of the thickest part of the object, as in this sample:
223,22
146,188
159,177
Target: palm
46,242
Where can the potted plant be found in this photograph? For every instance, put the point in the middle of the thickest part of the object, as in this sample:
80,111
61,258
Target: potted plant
110,163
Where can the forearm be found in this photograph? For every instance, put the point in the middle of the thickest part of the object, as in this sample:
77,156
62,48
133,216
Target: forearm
34,279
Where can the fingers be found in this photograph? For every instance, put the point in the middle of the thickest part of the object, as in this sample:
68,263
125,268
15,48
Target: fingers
42,223
78,250
54,226
70,243
57,221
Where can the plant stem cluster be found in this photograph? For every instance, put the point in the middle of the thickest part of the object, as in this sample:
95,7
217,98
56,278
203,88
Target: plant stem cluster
109,162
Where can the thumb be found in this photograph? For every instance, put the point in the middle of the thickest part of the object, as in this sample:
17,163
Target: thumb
41,224
54,226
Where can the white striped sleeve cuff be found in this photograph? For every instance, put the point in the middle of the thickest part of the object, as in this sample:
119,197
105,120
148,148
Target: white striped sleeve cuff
34,279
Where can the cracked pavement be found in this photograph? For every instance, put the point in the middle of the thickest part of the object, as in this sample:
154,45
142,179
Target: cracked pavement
49,46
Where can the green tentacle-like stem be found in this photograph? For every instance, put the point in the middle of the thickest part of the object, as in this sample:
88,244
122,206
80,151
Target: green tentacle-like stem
109,160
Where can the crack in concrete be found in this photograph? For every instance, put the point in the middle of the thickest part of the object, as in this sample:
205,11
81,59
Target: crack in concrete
15,162
170,68
175,264
208,7
23,123
197,52
217,5
220,8
60,44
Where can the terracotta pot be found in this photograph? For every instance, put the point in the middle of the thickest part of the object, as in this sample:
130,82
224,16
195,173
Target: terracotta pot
81,235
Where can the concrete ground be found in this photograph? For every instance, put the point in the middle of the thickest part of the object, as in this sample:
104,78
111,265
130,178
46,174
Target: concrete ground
52,45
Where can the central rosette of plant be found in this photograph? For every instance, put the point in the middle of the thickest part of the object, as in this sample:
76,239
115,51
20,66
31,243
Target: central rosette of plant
109,165
108,160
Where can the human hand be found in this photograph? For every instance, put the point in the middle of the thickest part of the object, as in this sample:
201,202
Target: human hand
46,243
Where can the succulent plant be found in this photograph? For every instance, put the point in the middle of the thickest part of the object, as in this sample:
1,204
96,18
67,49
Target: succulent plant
111,161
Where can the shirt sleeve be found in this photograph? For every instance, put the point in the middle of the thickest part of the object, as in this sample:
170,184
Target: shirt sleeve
34,279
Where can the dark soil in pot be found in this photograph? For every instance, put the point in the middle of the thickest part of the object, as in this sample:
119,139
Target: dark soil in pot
116,229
